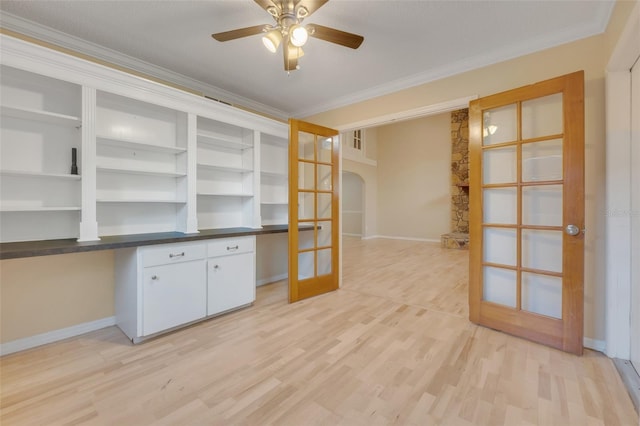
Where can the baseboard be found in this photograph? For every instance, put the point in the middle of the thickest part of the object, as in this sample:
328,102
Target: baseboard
596,345
55,335
269,280
631,380
391,237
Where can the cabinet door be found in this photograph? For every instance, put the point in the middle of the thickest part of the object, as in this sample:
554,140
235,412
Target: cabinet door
231,282
173,295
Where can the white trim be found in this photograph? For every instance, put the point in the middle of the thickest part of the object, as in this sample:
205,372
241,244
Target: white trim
58,38
55,335
596,345
483,59
618,189
273,279
409,114
391,237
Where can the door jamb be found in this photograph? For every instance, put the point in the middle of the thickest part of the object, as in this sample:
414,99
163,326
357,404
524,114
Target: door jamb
618,189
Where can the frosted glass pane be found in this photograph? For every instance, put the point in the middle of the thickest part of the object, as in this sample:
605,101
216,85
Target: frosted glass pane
500,125
542,250
542,161
324,234
325,146
306,205
324,206
305,265
324,177
500,205
499,165
542,294
324,262
500,246
306,175
542,205
306,239
306,145
499,286
542,116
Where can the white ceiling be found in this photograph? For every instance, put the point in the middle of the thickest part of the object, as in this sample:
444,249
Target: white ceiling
405,43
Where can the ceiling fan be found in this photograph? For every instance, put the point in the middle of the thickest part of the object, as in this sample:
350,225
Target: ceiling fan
289,30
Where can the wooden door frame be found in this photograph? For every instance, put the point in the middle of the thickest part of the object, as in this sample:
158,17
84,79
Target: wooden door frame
565,334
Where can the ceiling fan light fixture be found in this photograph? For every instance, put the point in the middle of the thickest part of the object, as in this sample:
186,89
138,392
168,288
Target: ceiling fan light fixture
272,40
298,35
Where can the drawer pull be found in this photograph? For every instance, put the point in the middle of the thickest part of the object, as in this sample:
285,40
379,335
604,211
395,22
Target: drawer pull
155,278
216,267
172,255
233,248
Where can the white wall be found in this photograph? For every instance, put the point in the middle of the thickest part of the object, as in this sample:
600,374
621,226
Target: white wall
352,203
414,175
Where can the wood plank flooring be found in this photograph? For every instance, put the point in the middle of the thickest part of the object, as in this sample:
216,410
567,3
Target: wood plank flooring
393,346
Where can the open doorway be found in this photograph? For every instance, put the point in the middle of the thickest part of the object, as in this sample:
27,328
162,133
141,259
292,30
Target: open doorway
353,201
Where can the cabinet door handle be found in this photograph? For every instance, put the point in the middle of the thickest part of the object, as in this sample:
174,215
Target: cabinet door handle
172,255
216,267
155,278
233,248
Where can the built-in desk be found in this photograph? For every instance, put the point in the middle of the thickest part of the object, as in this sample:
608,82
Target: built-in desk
65,246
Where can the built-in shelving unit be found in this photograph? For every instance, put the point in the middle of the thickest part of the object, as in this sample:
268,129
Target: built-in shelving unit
225,175
150,158
274,180
40,121
140,160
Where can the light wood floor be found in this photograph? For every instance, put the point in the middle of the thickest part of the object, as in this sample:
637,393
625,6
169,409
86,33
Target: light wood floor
392,346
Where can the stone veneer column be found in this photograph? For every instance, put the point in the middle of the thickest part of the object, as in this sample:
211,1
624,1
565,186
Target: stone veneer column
460,171
459,236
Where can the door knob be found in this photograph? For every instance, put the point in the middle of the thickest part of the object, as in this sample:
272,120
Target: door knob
572,230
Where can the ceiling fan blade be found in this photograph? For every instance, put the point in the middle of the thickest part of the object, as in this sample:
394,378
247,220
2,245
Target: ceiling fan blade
335,36
239,33
311,5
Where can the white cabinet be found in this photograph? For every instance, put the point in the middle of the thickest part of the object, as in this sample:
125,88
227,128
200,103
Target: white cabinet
231,277
160,287
39,127
274,180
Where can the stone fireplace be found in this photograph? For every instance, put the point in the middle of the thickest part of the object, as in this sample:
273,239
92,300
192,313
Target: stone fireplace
459,236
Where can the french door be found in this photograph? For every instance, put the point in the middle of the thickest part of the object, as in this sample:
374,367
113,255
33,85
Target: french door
527,212
313,210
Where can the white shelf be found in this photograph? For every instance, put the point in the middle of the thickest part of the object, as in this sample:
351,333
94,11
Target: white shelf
139,200
38,209
139,172
24,173
220,140
274,203
224,168
217,194
40,115
127,143
278,175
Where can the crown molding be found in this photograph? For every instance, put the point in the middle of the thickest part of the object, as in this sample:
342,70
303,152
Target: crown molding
481,60
48,35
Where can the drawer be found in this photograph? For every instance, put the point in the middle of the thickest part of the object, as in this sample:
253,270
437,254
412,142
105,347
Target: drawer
172,253
227,246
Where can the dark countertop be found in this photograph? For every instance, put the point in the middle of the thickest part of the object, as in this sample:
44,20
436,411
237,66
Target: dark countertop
71,245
